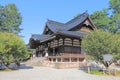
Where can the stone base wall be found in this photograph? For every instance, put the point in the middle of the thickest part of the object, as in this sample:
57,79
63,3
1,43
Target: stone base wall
68,65
61,65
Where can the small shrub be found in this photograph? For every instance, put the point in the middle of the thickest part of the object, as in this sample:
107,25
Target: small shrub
96,72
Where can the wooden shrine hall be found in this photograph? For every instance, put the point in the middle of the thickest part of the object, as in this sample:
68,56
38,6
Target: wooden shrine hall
62,41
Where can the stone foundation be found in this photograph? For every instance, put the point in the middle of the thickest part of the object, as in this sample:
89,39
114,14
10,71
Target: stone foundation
61,65
68,65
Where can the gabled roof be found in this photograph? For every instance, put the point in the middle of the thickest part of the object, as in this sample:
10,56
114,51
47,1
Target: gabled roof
39,37
54,26
57,26
76,21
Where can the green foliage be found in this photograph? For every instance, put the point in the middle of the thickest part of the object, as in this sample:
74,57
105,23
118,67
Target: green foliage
10,19
29,51
12,47
100,19
114,20
90,57
108,18
115,5
101,42
96,72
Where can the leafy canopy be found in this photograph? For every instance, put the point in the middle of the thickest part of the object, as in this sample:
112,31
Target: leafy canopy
100,19
12,47
10,19
115,6
101,42
108,18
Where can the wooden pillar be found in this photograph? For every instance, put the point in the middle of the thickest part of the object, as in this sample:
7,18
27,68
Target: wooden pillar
69,59
50,44
41,50
72,45
77,59
61,59
51,59
63,45
53,51
54,47
56,59
80,44
58,47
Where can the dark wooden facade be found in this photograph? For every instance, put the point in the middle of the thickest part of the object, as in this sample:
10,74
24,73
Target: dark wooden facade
62,39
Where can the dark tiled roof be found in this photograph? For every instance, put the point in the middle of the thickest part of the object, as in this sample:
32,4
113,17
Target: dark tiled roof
61,28
72,33
39,37
47,39
76,21
55,26
67,33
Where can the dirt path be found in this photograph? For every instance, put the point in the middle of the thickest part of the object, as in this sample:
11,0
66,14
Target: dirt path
45,73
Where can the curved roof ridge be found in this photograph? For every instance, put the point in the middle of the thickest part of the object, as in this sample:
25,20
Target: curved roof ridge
39,36
54,25
79,16
55,22
76,21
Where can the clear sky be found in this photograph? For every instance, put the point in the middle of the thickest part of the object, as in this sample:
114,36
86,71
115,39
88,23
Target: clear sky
36,12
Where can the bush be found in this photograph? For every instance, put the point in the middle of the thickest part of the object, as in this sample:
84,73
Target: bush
12,48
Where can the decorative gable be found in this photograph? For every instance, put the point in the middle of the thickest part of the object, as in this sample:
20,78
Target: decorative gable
47,31
85,29
87,26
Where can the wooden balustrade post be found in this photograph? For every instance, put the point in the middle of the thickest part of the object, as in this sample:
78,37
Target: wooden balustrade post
77,59
56,59
70,59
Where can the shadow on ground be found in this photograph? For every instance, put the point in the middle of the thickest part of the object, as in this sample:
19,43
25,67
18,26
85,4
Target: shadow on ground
24,66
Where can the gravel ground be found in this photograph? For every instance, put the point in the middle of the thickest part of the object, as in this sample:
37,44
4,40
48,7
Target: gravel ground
45,73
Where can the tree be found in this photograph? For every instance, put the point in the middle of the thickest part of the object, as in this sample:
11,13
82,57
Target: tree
114,22
115,6
12,48
108,18
100,19
10,19
99,42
